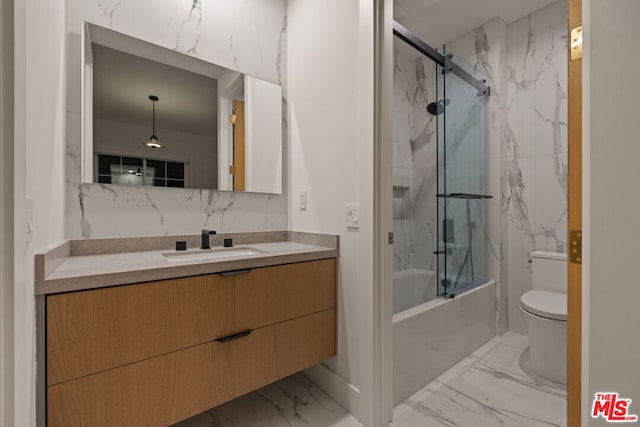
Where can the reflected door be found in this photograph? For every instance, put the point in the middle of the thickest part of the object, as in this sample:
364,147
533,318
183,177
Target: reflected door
238,168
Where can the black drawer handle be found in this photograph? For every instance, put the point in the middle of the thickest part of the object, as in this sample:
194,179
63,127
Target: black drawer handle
235,272
235,337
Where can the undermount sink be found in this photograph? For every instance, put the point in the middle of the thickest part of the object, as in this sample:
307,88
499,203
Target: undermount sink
212,254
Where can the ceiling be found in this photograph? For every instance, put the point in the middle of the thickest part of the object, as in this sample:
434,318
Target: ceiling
440,21
123,82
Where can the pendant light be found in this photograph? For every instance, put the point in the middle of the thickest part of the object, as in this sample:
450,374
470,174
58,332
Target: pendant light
153,141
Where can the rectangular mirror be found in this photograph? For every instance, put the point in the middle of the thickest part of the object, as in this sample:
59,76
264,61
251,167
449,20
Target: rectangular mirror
156,117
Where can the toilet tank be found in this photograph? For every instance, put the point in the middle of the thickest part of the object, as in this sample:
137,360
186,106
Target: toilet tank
549,271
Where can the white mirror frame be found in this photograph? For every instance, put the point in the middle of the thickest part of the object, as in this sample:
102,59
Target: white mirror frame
86,150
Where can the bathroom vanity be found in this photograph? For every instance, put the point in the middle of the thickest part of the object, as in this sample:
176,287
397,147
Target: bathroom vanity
129,336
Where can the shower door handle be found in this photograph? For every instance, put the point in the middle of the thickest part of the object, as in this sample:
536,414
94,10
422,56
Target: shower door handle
444,252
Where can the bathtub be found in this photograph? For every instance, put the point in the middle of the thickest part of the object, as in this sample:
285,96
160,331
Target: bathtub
431,334
413,287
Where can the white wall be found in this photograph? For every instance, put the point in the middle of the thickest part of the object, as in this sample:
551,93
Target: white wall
330,114
246,36
39,173
6,214
200,151
611,92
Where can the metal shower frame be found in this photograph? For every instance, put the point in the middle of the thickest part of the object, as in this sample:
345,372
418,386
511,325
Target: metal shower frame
445,61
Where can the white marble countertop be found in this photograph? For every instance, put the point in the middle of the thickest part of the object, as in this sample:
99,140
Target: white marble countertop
81,272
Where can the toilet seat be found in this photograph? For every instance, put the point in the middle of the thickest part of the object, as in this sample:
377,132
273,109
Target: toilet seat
547,304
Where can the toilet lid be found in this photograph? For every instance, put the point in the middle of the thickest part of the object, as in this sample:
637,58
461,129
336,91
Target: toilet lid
550,305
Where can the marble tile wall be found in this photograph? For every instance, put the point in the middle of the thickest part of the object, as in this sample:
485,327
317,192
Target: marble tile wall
415,173
248,36
484,50
536,138
525,64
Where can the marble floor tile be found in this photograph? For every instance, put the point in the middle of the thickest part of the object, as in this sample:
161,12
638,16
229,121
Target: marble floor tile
291,402
515,340
491,387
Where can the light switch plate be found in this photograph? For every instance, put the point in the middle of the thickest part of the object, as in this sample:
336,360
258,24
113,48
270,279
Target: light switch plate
353,215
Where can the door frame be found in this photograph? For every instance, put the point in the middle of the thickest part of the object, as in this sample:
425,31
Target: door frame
383,212
583,393
7,213
577,201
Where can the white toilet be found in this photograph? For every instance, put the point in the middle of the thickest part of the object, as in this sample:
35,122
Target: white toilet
545,311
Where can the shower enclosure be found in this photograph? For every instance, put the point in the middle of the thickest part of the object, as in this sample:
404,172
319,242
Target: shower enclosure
462,195
439,170
444,302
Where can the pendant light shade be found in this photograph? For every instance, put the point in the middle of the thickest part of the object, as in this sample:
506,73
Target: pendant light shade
153,142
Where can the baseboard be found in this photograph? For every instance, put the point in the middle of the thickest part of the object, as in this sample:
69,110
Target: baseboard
340,389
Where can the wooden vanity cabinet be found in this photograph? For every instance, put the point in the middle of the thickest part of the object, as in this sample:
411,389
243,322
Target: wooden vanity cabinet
153,354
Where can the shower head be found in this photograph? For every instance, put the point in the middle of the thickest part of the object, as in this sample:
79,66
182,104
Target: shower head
437,108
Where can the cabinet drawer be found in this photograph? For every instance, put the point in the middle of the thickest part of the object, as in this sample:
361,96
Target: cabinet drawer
92,331
169,388
277,351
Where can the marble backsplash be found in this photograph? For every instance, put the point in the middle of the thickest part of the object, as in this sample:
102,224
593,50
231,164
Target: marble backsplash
114,211
247,36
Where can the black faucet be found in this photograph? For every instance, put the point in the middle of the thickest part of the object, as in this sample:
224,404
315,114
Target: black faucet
205,239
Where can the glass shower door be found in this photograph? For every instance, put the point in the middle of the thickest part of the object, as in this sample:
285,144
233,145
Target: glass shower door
462,195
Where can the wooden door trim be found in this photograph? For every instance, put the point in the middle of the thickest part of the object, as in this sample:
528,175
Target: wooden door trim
574,222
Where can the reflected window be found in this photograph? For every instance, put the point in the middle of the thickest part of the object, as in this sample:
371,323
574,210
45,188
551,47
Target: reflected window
140,171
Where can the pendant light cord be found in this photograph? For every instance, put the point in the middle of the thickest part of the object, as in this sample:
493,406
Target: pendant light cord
154,118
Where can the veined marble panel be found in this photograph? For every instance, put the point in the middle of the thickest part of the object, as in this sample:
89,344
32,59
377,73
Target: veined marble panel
293,401
536,132
247,36
415,173
492,387
525,65
484,50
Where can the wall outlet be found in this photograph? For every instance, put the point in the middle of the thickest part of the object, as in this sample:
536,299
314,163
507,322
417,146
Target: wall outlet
303,200
353,215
